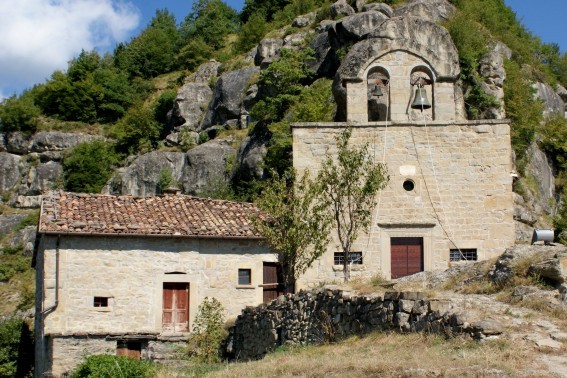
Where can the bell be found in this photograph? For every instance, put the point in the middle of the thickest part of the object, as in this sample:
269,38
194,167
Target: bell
420,101
377,91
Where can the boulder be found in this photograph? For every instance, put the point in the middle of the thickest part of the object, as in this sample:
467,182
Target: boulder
9,171
553,105
141,178
9,222
27,202
341,9
326,60
430,10
206,72
25,238
267,51
541,169
17,143
2,142
491,68
553,269
57,141
228,96
562,92
207,166
325,25
358,26
250,157
294,40
380,7
304,20
41,177
487,327
191,102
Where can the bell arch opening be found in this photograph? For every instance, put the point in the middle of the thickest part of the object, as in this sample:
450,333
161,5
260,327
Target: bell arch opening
378,94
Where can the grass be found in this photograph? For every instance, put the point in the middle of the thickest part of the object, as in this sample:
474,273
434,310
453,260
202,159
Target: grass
384,355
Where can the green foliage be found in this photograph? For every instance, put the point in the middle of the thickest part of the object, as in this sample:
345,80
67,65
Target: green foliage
106,366
283,80
89,166
12,331
252,32
92,90
163,105
150,53
166,180
554,141
316,103
195,52
211,20
13,262
522,108
19,114
138,131
208,332
560,220
32,219
266,7
296,226
348,185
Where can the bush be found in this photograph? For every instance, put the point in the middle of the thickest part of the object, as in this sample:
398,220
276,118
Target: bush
208,332
19,114
106,366
137,131
88,166
166,179
14,332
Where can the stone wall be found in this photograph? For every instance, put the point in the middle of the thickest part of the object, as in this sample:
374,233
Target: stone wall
461,196
326,315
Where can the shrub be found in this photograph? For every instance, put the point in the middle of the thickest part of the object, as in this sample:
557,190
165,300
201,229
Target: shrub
15,341
89,166
166,179
106,366
19,114
208,332
137,131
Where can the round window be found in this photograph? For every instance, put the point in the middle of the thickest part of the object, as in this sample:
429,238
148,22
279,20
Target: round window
409,185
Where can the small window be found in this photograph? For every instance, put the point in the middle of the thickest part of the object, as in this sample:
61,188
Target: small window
408,185
353,258
463,254
100,302
244,276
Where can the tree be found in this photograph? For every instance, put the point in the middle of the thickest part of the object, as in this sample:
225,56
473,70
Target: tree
296,225
348,185
19,114
208,332
89,166
211,20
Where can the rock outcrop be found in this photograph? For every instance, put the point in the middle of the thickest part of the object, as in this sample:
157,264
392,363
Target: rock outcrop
9,171
430,10
552,102
491,68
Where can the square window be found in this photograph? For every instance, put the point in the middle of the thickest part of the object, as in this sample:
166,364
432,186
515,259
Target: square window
244,276
100,302
468,254
353,258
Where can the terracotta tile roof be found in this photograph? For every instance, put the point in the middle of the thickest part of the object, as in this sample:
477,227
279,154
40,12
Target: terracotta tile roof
176,215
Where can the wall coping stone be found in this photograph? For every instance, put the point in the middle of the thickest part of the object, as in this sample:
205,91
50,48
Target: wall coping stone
298,125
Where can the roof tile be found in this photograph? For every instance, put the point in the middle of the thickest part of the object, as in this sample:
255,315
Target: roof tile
161,215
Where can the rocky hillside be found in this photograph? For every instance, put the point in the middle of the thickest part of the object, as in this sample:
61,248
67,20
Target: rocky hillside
214,125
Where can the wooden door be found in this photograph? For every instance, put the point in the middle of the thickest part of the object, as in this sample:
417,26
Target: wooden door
272,282
132,349
406,256
175,307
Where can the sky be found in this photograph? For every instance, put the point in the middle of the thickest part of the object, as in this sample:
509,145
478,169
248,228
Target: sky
38,37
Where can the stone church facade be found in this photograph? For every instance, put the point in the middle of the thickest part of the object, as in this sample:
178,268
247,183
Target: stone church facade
449,197
125,275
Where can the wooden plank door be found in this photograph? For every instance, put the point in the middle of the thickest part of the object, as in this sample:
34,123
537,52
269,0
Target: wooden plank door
272,282
175,307
406,256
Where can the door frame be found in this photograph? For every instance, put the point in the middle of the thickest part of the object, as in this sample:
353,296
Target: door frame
388,231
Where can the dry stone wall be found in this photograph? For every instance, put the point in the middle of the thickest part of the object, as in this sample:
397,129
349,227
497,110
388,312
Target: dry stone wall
325,315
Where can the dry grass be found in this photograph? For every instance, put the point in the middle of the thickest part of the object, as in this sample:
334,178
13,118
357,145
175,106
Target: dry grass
385,355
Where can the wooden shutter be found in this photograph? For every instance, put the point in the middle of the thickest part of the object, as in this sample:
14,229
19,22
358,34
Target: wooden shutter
175,316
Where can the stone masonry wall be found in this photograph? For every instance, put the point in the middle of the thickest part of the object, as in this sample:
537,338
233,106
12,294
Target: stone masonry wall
462,192
325,315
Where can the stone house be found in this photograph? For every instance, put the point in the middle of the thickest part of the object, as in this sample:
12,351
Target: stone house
126,275
449,197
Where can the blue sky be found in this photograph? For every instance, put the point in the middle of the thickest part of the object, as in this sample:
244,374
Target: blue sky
41,36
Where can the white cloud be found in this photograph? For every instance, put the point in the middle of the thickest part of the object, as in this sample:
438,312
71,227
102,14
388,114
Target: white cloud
40,36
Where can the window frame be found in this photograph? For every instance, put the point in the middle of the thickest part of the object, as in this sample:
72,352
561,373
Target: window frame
463,254
355,258
249,276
